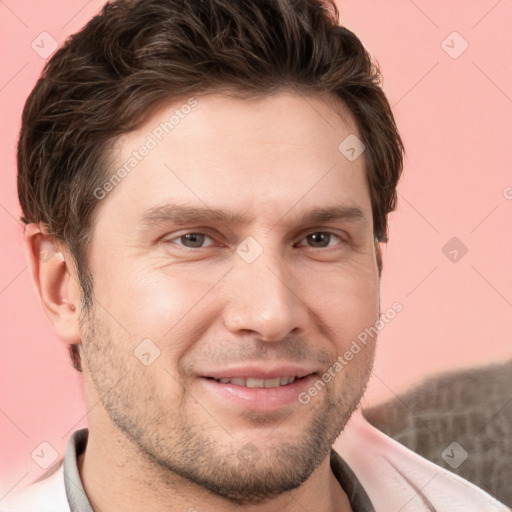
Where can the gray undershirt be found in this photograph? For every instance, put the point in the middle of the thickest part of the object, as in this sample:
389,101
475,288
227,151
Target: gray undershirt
78,501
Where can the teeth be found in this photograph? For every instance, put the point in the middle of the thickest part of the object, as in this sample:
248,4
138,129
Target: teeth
272,383
259,383
255,383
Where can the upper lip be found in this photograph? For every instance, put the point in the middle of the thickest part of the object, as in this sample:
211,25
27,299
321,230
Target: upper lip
259,372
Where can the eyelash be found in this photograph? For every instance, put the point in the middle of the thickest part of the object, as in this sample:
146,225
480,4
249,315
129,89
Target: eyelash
172,240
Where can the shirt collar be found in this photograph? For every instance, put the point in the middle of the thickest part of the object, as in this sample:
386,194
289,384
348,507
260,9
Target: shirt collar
77,499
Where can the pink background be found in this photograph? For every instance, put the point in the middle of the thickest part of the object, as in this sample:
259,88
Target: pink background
455,117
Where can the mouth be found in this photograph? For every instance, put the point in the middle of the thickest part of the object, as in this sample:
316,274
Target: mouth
256,393
254,382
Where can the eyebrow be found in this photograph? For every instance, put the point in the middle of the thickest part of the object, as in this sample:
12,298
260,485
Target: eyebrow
181,214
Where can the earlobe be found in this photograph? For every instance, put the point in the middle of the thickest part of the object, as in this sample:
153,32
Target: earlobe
55,280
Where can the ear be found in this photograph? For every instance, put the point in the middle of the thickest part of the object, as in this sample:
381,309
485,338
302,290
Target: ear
56,281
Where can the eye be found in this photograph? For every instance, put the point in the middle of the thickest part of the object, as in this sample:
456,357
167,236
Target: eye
321,239
191,240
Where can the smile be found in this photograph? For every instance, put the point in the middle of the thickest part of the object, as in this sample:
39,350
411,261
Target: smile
256,394
252,382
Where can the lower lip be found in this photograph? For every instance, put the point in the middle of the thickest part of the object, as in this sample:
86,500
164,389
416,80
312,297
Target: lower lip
259,399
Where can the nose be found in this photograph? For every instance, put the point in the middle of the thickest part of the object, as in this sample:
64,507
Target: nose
264,299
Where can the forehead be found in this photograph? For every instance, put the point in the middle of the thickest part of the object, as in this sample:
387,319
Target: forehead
266,155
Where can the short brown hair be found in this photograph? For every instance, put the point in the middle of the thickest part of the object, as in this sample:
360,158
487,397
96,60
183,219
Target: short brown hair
136,53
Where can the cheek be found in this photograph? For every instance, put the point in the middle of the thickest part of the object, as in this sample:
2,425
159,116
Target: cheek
165,306
346,302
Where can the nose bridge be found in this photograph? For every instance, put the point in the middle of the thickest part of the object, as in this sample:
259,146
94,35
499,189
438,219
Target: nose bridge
261,296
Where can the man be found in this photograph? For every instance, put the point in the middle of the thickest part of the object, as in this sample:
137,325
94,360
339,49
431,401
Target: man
205,186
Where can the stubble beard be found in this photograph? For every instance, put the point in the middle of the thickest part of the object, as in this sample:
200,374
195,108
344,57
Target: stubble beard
240,472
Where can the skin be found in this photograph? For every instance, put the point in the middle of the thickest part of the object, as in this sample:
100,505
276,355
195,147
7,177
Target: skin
158,438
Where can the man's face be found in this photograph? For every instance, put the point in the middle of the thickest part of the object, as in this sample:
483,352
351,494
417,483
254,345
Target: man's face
181,300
